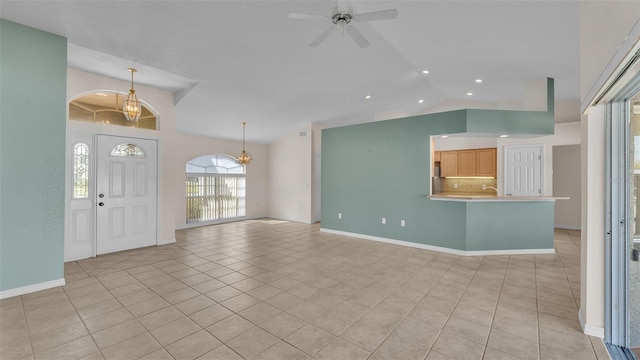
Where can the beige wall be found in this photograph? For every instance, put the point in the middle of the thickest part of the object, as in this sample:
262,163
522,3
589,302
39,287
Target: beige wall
566,182
291,177
604,41
592,247
564,134
188,147
79,82
604,26
174,150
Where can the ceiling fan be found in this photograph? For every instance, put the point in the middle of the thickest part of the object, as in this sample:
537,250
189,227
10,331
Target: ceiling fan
341,18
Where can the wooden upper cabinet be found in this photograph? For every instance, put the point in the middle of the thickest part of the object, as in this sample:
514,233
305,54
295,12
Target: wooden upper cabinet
436,156
486,162
466,163
448,163
472,162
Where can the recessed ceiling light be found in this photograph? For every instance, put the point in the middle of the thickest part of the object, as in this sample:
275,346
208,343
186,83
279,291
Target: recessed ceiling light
504,136
368,97
444,136
420,101
469,93
425,71
478,80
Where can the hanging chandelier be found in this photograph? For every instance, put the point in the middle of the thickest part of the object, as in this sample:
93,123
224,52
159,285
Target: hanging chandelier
131,106
244,157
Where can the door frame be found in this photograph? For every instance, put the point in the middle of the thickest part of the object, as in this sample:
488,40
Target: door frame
153,180
70,143
93,158
619,219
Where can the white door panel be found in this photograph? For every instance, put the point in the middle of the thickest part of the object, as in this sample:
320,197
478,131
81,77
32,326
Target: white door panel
79,210
524,171
126,180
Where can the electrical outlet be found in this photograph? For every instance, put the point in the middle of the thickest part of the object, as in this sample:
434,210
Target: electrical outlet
339,215
455,186
384,220
402,223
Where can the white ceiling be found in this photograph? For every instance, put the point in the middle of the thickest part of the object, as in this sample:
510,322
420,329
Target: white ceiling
233,61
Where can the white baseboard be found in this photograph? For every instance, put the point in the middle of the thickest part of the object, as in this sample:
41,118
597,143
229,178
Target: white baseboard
567,227
589,329
440,248
31,288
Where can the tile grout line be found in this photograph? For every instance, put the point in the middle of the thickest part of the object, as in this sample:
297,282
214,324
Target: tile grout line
495,311
26,324
535,258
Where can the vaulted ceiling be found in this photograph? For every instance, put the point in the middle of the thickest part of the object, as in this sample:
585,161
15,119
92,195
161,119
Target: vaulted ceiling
233,61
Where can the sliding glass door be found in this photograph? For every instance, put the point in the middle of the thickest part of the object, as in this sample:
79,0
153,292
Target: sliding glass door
622,329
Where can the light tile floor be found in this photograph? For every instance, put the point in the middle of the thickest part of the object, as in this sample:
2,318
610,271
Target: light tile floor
268,289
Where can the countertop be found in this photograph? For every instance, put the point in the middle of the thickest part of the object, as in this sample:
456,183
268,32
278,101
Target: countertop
479,197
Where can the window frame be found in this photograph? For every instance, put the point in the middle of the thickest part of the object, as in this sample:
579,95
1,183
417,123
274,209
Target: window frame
218,211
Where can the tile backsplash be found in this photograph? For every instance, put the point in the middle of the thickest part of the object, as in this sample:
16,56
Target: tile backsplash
467,185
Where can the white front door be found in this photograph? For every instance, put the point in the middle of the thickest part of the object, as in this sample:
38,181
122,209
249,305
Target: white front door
523,170
126,193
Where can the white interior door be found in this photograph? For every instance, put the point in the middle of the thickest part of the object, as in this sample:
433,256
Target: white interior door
126,193
523,171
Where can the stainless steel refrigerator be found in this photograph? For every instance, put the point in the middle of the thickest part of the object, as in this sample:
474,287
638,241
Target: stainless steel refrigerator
436,180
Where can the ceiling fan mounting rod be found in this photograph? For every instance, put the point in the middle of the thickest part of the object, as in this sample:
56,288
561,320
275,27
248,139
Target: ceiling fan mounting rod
341,18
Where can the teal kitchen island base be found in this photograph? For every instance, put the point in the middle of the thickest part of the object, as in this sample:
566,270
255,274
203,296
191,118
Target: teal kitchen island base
485,226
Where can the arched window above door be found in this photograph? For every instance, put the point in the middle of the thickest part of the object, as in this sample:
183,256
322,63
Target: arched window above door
106,108
130,150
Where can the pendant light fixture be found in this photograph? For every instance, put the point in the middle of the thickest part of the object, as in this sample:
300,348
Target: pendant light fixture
244,157
131,106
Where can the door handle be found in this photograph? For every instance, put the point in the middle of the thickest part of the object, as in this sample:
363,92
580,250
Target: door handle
101,204
101,195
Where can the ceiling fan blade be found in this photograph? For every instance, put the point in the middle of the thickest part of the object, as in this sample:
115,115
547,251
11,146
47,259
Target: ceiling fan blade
357,37
301,16
322,36
377,15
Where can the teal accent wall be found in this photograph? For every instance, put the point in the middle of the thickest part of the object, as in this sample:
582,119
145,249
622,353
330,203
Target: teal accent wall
382,169
513,225
33,73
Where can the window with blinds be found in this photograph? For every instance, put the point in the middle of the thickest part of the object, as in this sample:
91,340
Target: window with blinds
215,189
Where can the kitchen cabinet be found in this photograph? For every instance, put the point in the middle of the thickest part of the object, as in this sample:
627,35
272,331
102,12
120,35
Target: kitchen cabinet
486,162
448,163
436,156
466,162
471,162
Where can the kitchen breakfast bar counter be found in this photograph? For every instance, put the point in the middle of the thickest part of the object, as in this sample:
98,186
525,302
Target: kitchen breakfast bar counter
504,224
491,198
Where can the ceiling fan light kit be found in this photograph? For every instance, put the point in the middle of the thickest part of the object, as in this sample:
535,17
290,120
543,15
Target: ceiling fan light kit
342,19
